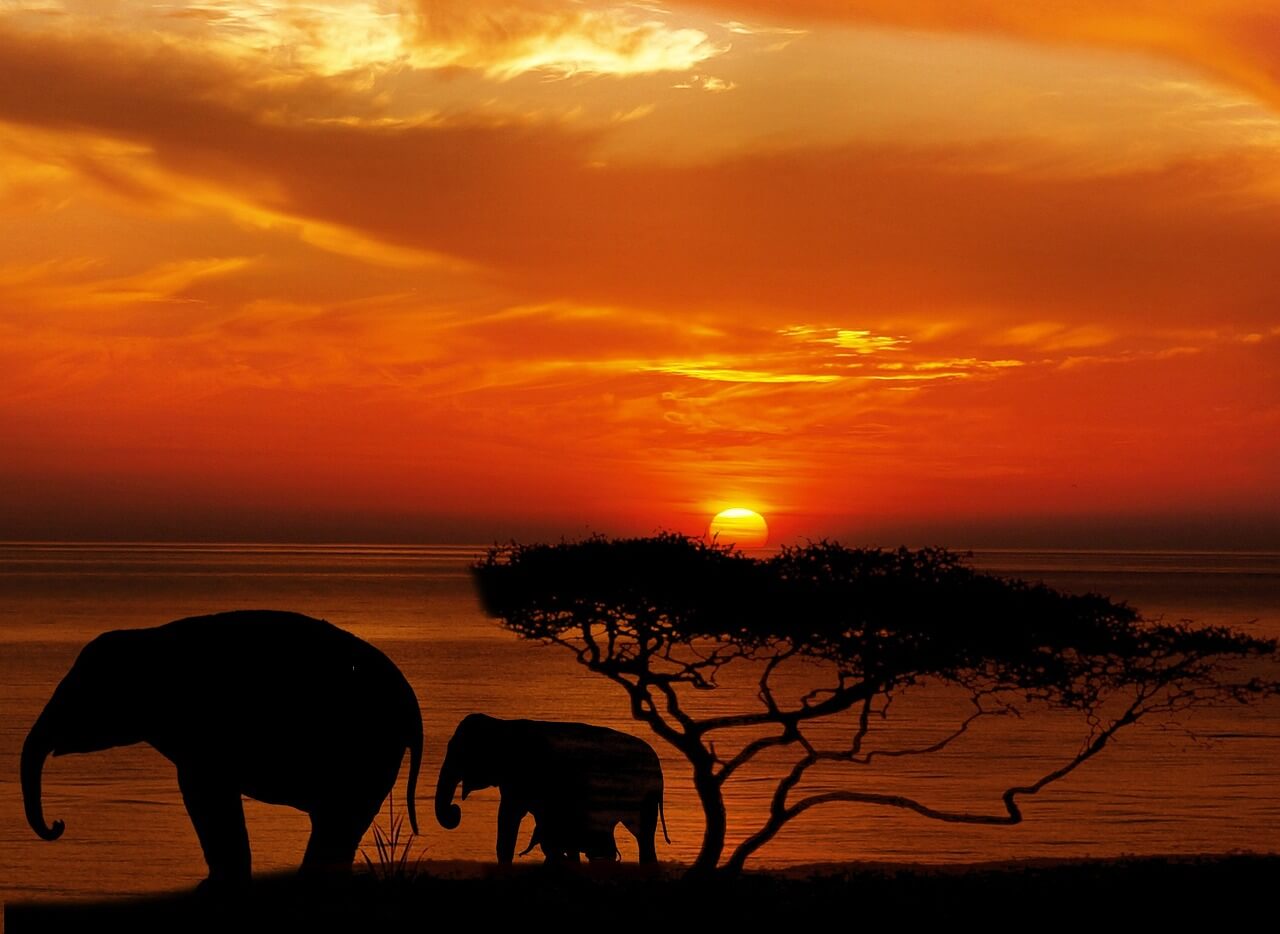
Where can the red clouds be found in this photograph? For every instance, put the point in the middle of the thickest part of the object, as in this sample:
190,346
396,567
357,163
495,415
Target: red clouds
472,303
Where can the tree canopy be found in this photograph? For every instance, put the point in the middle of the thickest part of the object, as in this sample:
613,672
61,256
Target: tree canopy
663,616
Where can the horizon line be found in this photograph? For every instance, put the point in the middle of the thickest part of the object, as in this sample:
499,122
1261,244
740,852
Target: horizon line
989,549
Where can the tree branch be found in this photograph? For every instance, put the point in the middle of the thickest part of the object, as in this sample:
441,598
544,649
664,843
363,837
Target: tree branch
781,814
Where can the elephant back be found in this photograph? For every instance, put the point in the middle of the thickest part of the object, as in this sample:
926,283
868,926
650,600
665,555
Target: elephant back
265,686
614,773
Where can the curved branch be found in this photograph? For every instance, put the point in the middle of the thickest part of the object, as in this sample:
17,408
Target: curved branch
788,735
780,816
687,723
646,711
841,699
922,750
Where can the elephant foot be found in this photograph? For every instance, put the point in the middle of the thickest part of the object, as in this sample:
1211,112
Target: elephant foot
326,883
223,886
333,877
319,868
502,870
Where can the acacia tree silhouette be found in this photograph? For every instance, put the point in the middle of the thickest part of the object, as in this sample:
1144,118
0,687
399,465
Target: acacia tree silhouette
664,616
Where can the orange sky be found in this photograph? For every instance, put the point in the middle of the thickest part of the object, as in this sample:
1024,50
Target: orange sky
978,272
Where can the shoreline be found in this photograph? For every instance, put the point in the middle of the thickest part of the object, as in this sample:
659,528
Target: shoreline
633,896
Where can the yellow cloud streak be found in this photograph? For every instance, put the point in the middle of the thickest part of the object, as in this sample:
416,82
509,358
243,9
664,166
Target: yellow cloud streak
505,39
715,373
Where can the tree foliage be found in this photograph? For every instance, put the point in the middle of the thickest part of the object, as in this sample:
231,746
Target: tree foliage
663,617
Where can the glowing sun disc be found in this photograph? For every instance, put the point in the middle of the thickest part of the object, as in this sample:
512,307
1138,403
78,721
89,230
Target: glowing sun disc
744,528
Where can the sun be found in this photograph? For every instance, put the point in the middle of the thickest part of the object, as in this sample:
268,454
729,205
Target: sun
744,528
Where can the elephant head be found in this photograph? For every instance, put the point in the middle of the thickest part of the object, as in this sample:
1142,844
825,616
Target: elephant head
475,759
96,706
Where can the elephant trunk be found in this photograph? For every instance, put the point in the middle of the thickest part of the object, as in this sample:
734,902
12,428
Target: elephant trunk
34,751
447,813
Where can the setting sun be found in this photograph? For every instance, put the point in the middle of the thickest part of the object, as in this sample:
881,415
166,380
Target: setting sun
745,528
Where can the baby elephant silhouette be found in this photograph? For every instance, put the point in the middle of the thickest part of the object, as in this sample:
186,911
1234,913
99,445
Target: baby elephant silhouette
277,706
565,843
579,781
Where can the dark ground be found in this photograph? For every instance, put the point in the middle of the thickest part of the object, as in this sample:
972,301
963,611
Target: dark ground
1223,892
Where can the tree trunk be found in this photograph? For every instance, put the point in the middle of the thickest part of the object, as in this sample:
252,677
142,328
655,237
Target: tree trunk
712,800
738,858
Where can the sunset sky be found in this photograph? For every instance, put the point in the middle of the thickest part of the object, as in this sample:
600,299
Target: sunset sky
965,271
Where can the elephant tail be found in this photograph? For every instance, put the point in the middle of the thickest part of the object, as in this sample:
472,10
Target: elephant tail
663,817
415,762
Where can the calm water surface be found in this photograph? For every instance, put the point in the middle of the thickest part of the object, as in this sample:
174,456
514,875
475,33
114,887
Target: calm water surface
1214,789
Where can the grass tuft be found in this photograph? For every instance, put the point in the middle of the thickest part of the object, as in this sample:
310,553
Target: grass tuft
393,859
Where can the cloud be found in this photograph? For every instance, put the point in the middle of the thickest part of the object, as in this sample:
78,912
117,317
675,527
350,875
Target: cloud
1053,335
857,340
326,37
709,83
506,39
875,327
1236,40
718,373
69,286
902,231
755,29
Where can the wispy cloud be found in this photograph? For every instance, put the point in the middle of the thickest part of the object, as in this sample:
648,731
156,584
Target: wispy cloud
858,341
506,39
70,285
717,373
1236,40
709,83
1053,335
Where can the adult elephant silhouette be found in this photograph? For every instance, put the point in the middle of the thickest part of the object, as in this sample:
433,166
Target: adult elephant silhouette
579,781
277,706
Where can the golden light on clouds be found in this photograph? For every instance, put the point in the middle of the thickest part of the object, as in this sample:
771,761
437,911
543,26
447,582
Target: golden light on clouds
508,39
533,260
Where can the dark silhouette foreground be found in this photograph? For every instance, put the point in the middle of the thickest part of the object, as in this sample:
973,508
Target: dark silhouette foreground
276,706
670,618
611,897
578,781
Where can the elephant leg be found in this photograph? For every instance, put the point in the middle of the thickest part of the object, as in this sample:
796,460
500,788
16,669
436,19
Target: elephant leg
338,824
510,815
644,827
335,837
218,815
600,845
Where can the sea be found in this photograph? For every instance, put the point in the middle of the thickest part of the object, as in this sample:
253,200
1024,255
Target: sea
1208,782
